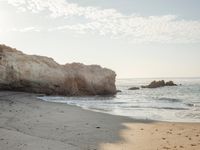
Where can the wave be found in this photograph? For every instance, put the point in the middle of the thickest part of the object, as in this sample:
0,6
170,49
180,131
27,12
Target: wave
153,107
170,99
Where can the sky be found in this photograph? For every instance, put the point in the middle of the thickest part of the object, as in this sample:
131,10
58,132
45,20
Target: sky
135,38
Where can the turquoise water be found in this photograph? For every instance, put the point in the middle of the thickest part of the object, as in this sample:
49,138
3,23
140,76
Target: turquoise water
178,104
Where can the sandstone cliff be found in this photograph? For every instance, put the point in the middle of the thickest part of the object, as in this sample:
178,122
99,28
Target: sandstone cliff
38,74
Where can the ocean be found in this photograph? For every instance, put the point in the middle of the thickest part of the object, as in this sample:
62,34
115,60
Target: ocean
174,104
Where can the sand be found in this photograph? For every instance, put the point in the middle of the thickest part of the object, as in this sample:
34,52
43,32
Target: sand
158,136
27,123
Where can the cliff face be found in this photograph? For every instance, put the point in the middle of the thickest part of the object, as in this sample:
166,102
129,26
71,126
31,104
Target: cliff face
38,74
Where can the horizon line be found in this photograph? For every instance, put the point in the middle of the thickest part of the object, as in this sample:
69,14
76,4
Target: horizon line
196,77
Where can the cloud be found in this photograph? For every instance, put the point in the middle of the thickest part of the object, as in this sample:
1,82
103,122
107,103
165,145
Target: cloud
26,29
110,22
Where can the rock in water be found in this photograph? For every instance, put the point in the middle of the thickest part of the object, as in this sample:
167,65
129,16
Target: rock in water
134,88
38,74
170,83
156,84
118,91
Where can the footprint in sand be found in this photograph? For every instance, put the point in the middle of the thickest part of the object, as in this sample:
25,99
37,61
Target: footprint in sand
193,145
166,147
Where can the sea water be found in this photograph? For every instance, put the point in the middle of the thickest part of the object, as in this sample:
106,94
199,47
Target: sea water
175,103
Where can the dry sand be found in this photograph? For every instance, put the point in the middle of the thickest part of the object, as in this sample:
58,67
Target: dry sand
157,136
27,123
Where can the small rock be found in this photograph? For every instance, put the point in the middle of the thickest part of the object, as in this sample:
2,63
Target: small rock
134,88
118,91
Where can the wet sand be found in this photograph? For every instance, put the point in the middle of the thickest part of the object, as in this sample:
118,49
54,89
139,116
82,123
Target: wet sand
27,123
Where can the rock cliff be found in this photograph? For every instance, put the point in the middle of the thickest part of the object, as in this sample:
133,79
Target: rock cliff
38,74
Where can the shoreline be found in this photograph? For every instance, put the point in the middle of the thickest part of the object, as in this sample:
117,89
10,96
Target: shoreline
132,118
104,113
27,122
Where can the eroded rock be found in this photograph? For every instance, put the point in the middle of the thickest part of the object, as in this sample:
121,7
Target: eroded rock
39,74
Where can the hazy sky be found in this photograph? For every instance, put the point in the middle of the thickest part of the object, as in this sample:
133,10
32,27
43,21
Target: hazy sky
136,38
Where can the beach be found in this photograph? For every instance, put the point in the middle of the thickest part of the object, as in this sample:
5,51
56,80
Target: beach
28,123
99,75
158,136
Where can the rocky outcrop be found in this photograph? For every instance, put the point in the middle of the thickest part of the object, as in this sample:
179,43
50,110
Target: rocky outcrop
134,88
38,74
157,84
170,83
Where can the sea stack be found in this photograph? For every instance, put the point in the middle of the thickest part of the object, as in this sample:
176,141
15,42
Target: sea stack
39,74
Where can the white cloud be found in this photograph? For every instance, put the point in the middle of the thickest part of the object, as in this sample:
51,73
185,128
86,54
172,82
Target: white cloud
26,29
112,23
